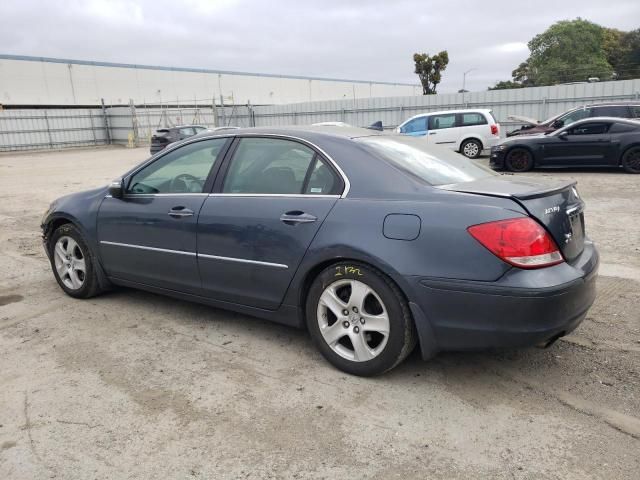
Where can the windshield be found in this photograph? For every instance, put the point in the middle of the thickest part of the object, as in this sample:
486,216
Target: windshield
433,165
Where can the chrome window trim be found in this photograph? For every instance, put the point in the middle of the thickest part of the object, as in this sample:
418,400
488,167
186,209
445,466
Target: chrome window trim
283,195
242,260
198,255
153,249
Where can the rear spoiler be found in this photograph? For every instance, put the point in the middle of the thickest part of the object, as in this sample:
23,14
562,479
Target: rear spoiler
522,188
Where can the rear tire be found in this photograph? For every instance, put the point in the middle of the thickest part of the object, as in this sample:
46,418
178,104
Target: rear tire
631,160
471,148
359,319
72,263
519,160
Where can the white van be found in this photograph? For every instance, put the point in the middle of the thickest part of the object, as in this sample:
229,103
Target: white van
465,131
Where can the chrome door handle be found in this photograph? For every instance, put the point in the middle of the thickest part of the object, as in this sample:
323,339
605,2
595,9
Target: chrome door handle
179,212
432,133
297,216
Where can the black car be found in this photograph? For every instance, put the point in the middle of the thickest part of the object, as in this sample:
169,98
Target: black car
616,110
165,136
592,142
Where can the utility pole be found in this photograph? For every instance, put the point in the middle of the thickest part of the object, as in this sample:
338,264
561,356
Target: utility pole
464,81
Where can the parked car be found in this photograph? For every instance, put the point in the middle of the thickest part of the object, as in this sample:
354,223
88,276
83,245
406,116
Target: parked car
166,136
619,110
465,131
593,142
375,242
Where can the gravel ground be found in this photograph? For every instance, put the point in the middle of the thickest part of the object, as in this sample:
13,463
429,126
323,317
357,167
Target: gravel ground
135,385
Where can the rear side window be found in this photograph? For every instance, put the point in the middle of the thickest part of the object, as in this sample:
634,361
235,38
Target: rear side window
471,119
413,156
436,122
415,125
273,166
594,128
621,111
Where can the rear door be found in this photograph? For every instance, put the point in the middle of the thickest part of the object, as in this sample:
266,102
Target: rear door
149,235
254,231
586,144
443,131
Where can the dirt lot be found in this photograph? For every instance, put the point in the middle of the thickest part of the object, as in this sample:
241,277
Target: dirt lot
134,385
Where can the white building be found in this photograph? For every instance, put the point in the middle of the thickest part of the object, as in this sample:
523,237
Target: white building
38,81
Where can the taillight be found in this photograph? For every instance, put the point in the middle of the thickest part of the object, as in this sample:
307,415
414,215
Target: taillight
494,130
522,242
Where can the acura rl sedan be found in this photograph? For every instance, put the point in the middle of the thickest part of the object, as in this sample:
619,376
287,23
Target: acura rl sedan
373,242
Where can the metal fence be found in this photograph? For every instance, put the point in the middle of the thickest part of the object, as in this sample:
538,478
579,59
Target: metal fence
134,124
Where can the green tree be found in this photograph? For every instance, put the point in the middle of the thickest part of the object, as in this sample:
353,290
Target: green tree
429,70
506,85
628,65
569,50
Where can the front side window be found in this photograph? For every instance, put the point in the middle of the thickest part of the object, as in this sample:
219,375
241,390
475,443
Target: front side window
471,119
572,117
437,122
183,170
416,125
269,166
589,129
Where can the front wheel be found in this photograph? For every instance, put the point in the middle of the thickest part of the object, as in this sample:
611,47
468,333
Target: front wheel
631,160
471,148
72,263
359,319
519,160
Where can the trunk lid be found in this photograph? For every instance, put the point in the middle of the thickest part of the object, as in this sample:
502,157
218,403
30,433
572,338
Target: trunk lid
556,205
161,137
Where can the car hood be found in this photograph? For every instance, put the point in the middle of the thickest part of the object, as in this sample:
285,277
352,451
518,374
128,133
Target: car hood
527,120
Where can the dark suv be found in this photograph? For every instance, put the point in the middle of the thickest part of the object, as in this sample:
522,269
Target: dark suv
619,110
165,136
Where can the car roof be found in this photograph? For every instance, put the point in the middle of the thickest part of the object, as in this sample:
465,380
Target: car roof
628,121
441,112
305,132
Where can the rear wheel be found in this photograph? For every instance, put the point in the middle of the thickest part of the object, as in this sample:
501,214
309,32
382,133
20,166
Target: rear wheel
471,148
519,160
72,263
359,319
631,160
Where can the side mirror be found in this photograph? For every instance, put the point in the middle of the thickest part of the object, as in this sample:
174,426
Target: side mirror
558,124
116,189
563,135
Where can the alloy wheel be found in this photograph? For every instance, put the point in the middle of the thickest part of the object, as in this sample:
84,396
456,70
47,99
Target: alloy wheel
471,150
632,160
353,320
70,263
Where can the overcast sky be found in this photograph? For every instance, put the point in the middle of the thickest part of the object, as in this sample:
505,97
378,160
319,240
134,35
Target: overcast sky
368,40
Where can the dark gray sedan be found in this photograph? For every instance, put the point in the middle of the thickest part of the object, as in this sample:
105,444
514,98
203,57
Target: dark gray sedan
373,242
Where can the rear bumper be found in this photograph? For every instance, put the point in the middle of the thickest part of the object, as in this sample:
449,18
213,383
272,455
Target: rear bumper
523,308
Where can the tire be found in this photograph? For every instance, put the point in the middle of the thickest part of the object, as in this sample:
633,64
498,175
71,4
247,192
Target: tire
519,160
362,343
69,254
631,160
471,148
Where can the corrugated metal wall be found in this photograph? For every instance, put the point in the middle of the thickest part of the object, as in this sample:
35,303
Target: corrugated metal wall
45,129
37,129
538,103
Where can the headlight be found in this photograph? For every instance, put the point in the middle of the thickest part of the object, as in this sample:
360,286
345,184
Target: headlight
499,148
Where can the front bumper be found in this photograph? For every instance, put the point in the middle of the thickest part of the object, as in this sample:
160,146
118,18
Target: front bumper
523,308
496,159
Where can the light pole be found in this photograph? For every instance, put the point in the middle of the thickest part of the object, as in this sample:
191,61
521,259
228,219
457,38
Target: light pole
464,81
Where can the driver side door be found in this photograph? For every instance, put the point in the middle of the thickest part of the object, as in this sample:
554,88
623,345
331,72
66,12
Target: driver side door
149,235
